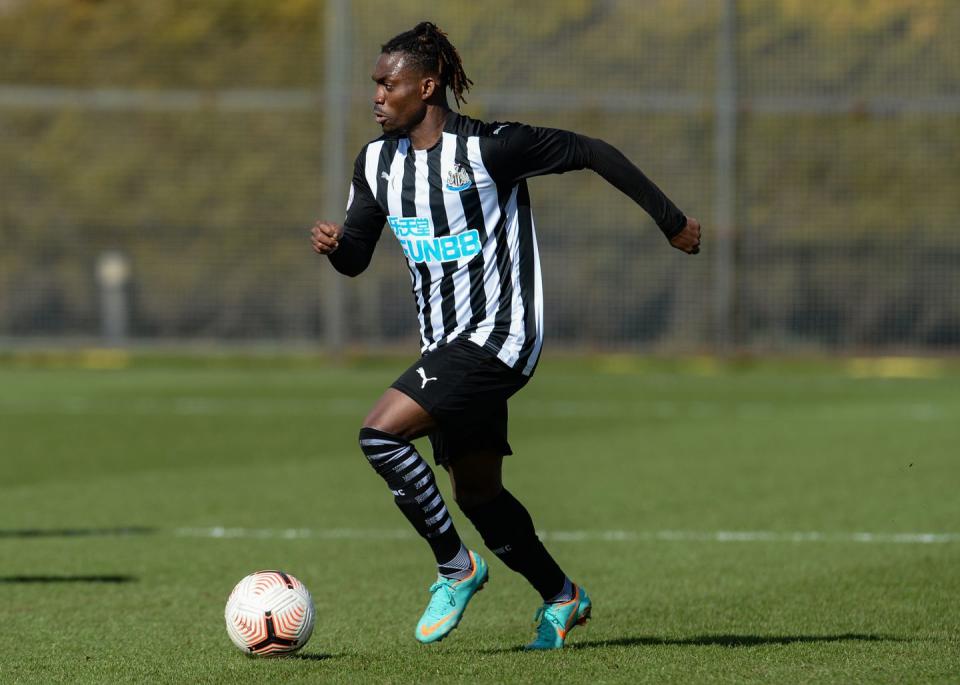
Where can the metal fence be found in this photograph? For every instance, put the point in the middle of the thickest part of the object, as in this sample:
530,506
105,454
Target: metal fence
160,187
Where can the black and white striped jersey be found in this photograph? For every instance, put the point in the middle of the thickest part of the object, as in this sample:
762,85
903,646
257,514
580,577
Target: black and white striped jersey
461,211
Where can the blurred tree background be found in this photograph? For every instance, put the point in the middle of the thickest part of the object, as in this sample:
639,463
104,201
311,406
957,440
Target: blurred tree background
189,136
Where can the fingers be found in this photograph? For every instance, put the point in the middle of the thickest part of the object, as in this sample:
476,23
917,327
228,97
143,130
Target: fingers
325,237
688,240
695,230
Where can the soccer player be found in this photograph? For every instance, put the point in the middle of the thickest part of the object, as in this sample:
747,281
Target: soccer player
454,192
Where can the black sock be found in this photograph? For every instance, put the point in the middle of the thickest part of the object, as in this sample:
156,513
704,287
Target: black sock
507,529
414,489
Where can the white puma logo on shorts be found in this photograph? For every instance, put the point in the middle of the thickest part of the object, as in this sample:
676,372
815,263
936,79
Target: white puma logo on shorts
423,376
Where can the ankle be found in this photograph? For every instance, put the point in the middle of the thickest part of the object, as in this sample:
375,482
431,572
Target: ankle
460,566
567,592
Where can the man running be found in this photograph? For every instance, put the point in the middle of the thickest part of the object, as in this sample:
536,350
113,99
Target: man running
454,192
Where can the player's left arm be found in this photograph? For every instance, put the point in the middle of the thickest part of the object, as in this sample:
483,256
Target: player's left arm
524,151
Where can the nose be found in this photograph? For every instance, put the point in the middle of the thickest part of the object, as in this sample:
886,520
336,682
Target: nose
378,95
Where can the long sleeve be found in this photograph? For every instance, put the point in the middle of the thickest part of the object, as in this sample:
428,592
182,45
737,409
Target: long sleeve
517,151
361,227
624,175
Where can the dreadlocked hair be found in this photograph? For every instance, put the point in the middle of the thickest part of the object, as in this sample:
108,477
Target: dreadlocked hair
429,47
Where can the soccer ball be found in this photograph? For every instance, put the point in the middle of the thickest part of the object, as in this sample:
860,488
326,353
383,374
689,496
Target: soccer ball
269,613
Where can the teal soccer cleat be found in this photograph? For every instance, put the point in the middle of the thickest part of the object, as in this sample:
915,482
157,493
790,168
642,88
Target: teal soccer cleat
450,598
557,620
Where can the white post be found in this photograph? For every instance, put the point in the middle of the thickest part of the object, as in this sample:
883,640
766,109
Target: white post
113,274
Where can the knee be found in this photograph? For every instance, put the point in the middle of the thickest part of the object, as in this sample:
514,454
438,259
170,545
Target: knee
368,432
380,423
399,415
378,420
375,436
475,494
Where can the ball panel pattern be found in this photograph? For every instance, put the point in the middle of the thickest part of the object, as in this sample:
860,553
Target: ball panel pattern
269,612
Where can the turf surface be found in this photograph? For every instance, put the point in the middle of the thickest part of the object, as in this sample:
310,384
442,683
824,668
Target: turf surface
112,480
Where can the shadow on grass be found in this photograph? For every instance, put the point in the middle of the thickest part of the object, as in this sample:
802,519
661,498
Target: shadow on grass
717,641
730,640
75,532
296,656
67,579
316,656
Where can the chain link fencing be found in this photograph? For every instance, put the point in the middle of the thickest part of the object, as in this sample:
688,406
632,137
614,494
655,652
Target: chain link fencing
161,164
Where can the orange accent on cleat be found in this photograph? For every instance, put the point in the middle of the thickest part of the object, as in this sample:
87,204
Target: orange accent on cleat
557,620
450,598
429,630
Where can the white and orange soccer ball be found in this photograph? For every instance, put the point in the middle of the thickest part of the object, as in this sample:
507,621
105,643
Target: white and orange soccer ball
269,613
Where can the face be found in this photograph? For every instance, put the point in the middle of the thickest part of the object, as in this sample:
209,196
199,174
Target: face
402,90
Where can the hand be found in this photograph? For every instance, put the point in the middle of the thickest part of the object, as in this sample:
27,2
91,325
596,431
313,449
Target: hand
688,240
325,237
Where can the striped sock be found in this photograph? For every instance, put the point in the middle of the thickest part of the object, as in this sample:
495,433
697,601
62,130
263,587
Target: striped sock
459,567
414,489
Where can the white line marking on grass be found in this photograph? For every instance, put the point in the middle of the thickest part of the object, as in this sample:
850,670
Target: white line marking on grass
223,532
547,409
749,536
294,533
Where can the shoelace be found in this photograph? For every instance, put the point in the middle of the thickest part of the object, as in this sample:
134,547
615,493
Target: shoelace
450,597
545,631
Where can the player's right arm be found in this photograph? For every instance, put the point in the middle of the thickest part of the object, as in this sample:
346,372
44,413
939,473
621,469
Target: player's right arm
325,237
350,246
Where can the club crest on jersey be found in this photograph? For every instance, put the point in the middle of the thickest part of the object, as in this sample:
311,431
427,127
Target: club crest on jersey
457,179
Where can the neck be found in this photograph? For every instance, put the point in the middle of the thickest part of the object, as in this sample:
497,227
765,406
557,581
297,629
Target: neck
425,134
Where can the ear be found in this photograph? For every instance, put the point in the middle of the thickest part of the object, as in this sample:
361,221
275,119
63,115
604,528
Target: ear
428,86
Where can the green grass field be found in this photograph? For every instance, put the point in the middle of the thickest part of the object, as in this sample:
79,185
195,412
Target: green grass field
637,471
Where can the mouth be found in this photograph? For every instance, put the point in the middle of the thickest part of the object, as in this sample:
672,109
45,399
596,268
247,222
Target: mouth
380,117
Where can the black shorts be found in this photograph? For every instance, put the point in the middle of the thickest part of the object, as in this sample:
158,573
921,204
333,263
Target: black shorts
465,389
